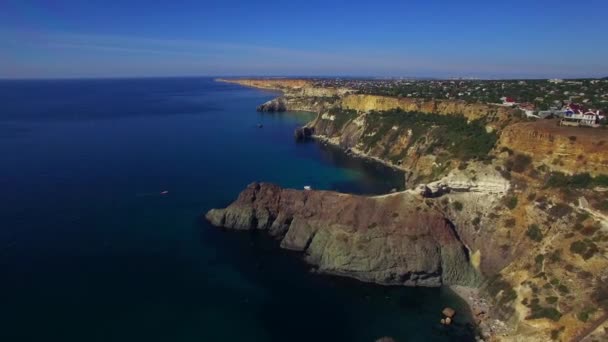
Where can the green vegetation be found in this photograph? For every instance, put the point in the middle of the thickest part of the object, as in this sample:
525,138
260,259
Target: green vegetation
538,311
342,116
585,248
578,181
551,300
563,289
534,233
500,289
512,202
443,133
583,316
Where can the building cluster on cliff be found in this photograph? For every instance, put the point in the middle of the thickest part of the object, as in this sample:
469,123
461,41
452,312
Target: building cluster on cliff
577,102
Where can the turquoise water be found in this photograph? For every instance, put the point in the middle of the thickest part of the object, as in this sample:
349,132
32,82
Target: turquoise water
91,251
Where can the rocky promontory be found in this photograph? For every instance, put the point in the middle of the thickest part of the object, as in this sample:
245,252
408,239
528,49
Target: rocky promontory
394,239
520,202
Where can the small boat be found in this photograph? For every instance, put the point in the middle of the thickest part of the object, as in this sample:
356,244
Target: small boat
307,187
164,192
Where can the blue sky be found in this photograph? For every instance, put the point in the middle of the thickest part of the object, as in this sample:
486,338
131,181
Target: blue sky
69,38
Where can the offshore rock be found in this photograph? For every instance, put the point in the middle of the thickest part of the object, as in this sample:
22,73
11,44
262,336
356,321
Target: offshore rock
393,239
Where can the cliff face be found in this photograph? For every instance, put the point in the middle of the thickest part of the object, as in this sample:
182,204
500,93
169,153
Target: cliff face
471,111
542,250
394,239
565,149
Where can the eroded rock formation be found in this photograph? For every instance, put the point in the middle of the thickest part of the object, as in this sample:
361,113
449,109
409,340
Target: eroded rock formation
393,239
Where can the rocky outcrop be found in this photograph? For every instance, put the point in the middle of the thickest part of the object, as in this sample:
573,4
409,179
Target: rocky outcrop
276,105
542,250
303,133
484,179
394,239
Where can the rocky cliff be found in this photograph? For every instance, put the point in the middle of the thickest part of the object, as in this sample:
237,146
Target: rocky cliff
393,239
482,182
565,149
471,111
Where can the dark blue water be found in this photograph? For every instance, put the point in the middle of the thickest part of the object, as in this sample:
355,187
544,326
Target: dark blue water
91,251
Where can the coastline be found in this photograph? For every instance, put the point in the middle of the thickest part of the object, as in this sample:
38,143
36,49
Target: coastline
356,153
476,304
479,309
321,138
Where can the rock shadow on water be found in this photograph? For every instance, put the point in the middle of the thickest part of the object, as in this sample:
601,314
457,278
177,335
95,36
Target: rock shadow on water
300,305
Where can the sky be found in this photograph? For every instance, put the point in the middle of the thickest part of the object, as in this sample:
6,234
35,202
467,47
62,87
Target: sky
128,38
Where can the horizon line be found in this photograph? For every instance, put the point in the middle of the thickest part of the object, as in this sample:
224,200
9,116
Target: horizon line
420,78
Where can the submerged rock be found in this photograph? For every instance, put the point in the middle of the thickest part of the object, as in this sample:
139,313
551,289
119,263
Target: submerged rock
385,239
386,339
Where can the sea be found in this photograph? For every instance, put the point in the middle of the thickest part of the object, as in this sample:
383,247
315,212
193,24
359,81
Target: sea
103,184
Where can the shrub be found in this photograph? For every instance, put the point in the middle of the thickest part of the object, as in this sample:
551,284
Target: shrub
457,205
545,312
520,163
583,316
563,289
600,295
451,133
578,181
556,255
512,202
534,233
510,223
585,248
